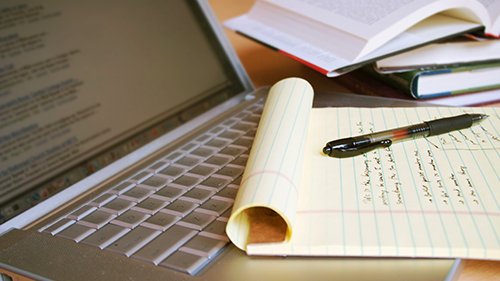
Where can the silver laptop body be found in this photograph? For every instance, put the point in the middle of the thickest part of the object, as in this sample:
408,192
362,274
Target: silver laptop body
172,61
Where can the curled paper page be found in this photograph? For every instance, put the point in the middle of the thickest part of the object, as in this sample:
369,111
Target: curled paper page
270,185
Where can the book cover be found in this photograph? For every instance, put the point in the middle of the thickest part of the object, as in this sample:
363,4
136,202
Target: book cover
444,80
363,83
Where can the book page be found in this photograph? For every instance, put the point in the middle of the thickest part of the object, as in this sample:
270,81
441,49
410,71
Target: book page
493,7
428,197
377,20
361,19
273,172
324,54
441,53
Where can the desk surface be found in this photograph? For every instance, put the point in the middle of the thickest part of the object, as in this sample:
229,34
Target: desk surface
266,67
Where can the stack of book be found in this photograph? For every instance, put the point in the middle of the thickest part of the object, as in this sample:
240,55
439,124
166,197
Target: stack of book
393,48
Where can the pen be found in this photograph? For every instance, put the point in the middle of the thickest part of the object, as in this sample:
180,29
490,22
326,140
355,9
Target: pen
354,146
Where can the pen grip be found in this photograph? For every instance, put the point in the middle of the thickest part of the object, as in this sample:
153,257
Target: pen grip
445,125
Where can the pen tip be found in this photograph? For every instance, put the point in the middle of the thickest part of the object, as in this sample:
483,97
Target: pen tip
479,117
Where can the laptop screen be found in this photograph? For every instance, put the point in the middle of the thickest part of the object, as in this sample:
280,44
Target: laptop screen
83,83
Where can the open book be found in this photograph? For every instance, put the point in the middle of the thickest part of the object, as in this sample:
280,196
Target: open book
431,197
336,36
441,54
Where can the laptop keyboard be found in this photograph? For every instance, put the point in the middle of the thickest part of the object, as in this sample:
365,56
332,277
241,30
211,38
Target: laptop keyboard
173,213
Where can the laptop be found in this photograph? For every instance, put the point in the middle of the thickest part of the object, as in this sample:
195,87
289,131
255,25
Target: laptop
125,129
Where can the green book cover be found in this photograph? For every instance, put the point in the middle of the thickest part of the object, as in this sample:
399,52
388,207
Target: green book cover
465,78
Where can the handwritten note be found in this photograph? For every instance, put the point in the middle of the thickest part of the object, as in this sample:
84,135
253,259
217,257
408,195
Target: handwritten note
429,197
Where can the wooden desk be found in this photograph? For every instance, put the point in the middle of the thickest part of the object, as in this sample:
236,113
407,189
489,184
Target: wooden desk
266,67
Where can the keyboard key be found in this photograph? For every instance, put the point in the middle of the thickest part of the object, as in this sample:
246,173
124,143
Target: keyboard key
216,230
218,143
214,207
130,219
241,161
251,133
233,151
186,182
156,167
254,107
184,262
133,241
161,221
196,221
58,226
197,195
214,183
173,157
140,177
218,160
204,152
169,193
254,118
121,188
225,216
217,130
150,206
105,236
117,206
231,135
230,171
203,246
136,194
229,122
244,142
165,244
244,126
103,199
203,139
76,232
228,194
81,212
202,171
180,208
172,172
96,219
154,183
242,115
189,161
188,147
237,182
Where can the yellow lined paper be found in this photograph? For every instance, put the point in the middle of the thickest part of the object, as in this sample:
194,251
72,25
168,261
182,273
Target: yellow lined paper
272,177
429,197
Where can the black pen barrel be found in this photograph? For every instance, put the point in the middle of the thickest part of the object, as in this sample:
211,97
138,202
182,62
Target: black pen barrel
357,145
445,125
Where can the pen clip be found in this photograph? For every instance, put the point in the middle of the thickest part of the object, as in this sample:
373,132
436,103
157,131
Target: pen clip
350,151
